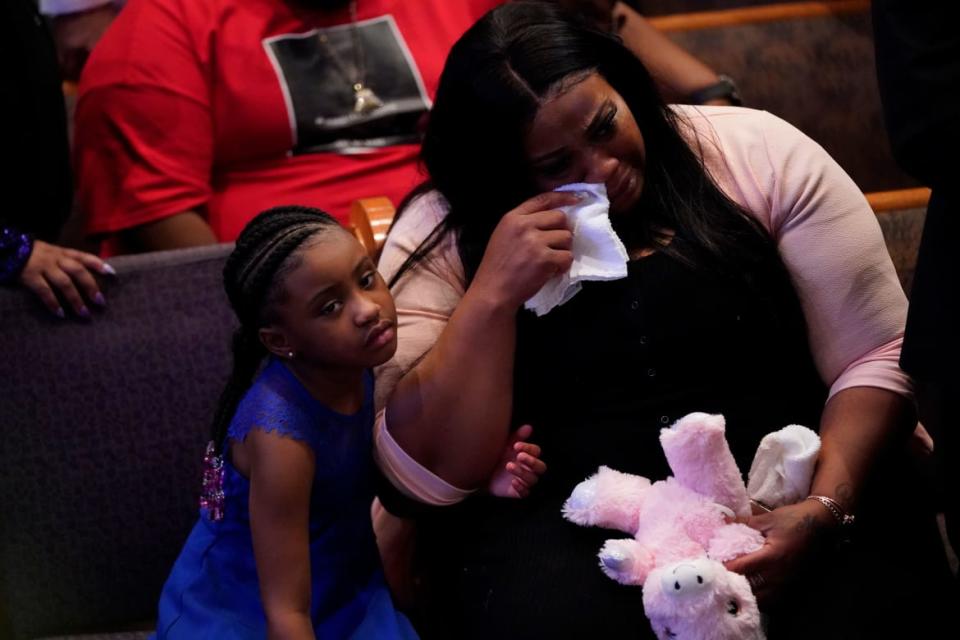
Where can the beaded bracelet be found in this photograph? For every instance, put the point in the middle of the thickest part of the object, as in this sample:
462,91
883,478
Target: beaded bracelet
15,250
843,518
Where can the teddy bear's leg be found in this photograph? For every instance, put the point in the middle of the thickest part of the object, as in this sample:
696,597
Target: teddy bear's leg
608,499
697,450
626,561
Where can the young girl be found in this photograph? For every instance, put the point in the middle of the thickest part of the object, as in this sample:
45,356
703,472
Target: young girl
284,547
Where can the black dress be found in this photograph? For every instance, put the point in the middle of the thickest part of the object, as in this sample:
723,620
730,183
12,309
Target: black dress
598,378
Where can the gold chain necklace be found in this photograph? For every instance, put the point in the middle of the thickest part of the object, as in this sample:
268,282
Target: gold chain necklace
365,100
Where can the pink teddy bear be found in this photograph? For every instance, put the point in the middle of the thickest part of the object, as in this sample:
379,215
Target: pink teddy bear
681,534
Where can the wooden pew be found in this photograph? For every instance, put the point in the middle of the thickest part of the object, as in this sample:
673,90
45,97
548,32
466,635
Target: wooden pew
901,215
812,64
370,220
719,14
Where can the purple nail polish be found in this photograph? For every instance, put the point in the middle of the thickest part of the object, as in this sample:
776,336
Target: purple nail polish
83,312
107,269
60,314
99,299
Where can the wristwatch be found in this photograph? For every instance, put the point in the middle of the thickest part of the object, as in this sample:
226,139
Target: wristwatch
724,88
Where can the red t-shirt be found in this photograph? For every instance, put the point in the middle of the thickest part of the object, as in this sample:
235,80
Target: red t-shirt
229,107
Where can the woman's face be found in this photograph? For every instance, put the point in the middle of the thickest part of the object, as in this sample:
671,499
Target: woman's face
586,133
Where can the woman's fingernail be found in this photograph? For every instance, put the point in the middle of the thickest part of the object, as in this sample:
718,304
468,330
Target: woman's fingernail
99,299
83,312
59,313
107,269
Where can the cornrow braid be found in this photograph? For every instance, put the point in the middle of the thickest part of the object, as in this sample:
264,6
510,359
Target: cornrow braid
252,276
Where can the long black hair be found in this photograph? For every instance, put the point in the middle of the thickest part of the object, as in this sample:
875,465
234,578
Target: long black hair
253,276
495,79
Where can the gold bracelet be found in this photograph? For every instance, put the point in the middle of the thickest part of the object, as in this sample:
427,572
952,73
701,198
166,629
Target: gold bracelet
843,518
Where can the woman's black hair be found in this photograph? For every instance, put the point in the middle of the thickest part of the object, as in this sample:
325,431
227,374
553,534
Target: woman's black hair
253,278
495,79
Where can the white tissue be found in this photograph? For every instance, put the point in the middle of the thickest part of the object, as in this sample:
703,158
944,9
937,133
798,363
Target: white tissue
598,253
783,467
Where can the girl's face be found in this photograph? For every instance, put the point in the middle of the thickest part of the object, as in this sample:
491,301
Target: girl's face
337,311
586,133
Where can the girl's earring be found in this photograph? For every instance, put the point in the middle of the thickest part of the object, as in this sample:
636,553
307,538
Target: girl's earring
290,354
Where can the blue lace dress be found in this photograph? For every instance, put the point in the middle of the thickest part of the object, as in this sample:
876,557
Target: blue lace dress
212,591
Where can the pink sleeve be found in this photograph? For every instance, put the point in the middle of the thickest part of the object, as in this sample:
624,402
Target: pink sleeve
406,474
829,240
426,297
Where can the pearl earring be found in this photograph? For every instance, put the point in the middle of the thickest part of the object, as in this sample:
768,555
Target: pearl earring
290,354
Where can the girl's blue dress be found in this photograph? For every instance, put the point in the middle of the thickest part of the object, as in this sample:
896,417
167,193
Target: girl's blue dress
213,592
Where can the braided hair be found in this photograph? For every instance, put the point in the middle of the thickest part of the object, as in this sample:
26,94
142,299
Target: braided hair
265,253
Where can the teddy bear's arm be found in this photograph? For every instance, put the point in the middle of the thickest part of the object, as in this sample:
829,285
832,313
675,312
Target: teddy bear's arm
608,499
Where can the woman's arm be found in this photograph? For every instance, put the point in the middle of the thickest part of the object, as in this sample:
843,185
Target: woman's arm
855,310
859,425
281,476
676,71
177,231
451,410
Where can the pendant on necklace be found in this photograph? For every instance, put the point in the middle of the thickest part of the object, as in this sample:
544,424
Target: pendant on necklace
366,100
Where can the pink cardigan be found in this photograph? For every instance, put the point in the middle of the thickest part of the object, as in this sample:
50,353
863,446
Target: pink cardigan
826,233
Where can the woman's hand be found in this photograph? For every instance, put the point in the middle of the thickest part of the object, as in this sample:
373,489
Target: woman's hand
794,534
53,272
530,245
520,468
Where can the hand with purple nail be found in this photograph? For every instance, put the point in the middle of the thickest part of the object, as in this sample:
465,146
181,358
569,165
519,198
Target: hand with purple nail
60,275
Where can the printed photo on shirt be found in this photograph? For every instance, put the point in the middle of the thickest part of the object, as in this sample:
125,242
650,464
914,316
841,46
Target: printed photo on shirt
324,72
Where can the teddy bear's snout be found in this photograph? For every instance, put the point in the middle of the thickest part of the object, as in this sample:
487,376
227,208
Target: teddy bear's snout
687,578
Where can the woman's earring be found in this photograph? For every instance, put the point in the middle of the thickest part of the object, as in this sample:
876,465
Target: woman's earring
290,354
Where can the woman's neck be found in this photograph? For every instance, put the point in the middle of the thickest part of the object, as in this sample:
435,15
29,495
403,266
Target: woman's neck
339,389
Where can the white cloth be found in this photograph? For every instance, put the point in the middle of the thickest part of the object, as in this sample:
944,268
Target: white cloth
598,253
783,466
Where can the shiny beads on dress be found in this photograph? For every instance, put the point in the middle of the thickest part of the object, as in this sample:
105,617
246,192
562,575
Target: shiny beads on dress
15,250
211,495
